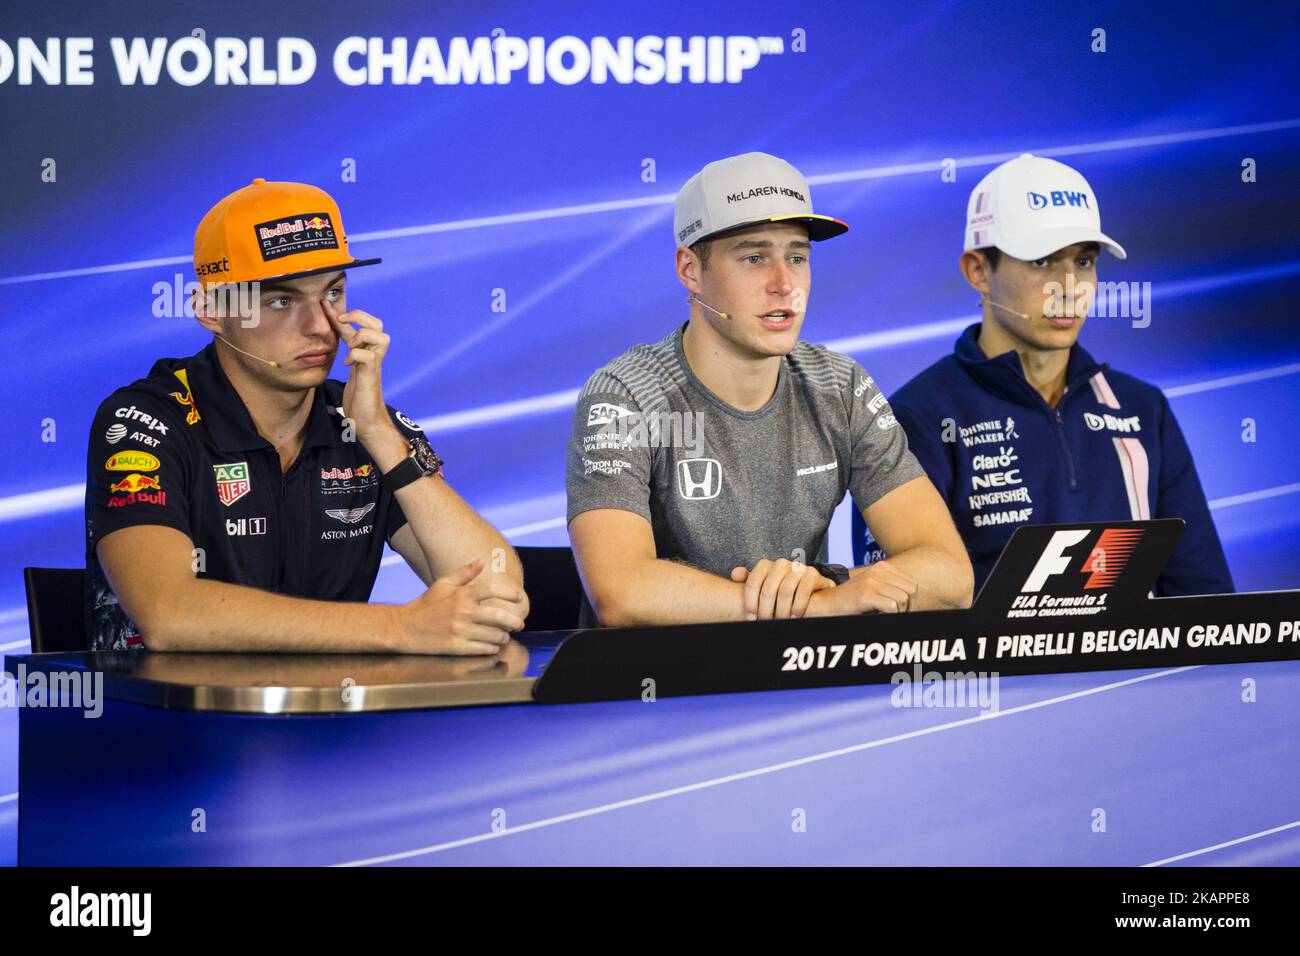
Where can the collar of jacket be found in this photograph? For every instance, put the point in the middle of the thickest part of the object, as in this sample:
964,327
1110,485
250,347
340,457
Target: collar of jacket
214,401
1004,375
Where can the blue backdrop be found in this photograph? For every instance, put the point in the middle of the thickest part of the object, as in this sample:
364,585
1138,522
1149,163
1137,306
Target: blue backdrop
542,190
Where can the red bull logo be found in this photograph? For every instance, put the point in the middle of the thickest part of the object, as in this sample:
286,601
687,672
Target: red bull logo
363,471
138,498
134,482
316,222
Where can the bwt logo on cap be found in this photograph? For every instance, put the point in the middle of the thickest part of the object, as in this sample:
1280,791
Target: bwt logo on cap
1058,197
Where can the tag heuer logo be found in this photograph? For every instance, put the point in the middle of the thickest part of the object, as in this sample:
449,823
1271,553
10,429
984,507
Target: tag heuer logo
232,482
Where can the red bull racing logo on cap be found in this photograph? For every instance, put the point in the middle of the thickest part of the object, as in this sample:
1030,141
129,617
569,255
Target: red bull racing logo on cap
286,237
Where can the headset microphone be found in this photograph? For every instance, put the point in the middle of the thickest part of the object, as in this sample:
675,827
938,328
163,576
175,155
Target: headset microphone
696,298
999,305
250,354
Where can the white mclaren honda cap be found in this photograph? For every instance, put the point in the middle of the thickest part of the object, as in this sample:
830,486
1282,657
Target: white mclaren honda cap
745,190
1030,207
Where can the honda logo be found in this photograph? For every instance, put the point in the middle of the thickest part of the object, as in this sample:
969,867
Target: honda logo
699,478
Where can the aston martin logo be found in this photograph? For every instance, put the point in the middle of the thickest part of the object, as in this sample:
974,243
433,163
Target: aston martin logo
350,515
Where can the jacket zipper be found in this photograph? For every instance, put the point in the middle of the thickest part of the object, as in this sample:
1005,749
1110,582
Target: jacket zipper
279,537
1065,445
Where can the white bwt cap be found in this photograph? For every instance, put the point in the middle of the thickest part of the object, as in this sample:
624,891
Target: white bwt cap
1030,207
742,191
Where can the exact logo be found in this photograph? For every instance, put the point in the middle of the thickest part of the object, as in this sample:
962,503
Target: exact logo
1103,564
232,481
699,479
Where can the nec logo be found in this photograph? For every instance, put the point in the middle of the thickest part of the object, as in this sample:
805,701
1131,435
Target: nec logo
1103,565
699,478
1058,197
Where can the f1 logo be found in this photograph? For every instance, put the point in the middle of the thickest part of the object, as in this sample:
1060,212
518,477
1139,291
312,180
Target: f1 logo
699,478
1053,560
1103,565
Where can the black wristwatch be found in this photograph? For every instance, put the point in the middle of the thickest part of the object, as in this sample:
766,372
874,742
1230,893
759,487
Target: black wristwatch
422,462
836,572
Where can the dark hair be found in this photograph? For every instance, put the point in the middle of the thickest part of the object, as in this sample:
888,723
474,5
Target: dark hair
994,256
702,249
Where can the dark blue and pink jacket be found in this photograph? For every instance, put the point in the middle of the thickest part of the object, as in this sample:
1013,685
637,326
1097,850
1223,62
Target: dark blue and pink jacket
1002,457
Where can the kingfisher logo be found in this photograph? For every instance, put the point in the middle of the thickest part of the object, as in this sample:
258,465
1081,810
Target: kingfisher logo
1058,197
1103,564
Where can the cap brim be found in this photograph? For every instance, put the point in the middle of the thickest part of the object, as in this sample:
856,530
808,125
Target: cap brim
355,263
1043,244
819,227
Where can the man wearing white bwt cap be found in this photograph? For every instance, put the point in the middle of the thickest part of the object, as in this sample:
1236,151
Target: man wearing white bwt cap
1020,425
703,470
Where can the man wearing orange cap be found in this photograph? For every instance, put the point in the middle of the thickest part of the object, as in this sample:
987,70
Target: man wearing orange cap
239,500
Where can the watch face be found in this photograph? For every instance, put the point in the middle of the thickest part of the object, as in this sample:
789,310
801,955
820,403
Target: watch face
425,456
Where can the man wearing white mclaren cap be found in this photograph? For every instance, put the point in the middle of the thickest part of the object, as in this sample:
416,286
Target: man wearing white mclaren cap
1020,425
703,469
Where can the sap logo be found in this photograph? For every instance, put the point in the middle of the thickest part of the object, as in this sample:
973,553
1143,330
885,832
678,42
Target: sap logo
877,402
1058,197
1098,422
997,479
602,413
1103,564
699,479
241,526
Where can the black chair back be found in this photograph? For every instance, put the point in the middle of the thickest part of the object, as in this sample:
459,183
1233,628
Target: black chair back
56,608
554,588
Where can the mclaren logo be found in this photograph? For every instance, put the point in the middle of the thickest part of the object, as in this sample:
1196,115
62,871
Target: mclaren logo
699,478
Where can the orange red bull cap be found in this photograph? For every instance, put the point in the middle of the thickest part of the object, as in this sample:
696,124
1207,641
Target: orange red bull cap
271,231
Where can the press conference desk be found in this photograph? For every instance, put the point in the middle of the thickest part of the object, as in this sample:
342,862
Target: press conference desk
268,759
